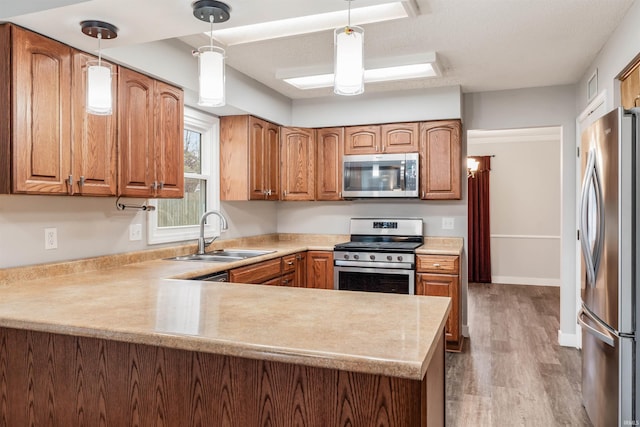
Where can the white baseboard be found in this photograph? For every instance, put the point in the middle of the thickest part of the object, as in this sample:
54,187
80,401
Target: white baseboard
569,340
516,280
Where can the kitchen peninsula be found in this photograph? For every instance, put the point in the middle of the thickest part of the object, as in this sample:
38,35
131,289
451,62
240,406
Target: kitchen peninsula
132,346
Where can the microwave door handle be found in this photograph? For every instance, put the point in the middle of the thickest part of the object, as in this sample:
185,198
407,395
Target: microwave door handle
403,184
584,217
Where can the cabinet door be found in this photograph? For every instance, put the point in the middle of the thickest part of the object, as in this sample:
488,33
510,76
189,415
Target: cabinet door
320,269
362,140
94,136
329,149
630,89
272,161
257,161
136,134
300,280
41,114
234,158
440,160
169,141
443,285
400,137
297,167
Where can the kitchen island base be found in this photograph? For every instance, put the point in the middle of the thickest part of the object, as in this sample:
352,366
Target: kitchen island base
64,380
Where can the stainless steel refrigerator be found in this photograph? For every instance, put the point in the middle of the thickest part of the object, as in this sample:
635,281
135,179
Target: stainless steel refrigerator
609,237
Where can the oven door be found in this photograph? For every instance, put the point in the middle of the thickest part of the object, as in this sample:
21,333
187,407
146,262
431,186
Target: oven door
389,280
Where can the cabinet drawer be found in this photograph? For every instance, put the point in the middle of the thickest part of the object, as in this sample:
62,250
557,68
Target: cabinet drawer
437,264
256,273
288,263
289,279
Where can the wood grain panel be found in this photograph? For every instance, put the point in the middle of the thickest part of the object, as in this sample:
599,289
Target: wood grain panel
42,117
329,150
136,133
440,160
256,273
298,161
447,264
169,145
400,137
630,89
272,161
258,160
320,269
444,285
6,106
94,136
234,158
50,379
361,139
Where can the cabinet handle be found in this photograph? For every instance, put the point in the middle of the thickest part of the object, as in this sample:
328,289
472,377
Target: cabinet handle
436,265
284,193
289,262
154,185
161,185
81,181
423,194
285,281
69,182
298,257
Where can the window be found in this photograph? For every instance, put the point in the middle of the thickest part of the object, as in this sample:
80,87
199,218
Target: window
179,219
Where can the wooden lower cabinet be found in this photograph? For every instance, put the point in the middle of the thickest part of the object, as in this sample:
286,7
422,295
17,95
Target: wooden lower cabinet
320,269
65,380
439,275
289,270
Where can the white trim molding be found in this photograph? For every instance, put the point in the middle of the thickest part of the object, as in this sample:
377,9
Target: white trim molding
568,340
533,281
523,236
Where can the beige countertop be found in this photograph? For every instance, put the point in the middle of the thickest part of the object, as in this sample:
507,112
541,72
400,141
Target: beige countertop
143,302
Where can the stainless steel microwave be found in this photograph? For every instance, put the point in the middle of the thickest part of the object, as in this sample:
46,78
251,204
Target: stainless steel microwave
380,175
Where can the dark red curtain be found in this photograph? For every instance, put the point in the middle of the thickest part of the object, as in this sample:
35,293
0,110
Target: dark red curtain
478,224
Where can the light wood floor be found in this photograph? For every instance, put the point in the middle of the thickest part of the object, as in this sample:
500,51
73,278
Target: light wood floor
512,371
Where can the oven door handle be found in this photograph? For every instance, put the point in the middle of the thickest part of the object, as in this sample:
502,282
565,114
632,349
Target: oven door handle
371,264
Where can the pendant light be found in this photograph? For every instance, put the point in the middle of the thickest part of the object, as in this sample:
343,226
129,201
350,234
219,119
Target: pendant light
99,99
211,77
349,59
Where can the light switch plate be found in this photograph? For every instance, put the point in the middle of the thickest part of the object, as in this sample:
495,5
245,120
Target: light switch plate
135,232
448,223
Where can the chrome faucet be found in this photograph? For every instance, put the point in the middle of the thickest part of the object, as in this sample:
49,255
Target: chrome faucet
202,243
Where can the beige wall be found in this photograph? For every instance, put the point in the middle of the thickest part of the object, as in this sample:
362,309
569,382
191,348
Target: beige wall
525,203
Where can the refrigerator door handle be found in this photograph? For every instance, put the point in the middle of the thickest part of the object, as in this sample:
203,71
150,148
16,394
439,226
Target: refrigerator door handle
591,256
604,335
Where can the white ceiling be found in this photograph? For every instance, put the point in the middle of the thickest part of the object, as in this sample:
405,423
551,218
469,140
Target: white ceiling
481,44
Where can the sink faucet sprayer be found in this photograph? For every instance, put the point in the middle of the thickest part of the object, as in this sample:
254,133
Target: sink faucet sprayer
202,243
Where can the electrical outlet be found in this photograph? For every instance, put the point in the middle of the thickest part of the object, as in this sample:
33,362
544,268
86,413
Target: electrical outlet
135,232
51,238
448,223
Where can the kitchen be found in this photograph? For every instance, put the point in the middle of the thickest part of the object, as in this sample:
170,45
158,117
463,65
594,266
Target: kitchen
83,222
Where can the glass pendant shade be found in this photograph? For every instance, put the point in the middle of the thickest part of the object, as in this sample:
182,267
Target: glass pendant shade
99,100
211,76
349,61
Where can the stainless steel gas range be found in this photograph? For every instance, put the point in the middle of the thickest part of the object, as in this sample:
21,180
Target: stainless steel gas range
380,257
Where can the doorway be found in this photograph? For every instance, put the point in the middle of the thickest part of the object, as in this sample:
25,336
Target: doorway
525,202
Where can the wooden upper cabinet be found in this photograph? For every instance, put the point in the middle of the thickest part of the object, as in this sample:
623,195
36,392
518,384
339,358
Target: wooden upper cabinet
361,140
249,159
298,159
151,121
400,138
630,88
329,149
440,160
40,114
169,145
136,134
94,136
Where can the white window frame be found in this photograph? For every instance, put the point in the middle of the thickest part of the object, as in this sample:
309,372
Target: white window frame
209,127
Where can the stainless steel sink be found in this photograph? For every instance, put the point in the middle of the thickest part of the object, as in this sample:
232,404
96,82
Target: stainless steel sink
221,256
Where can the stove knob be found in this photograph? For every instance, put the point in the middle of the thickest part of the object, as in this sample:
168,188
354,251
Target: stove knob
346,256
389,258
399,257
372,257
356,257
